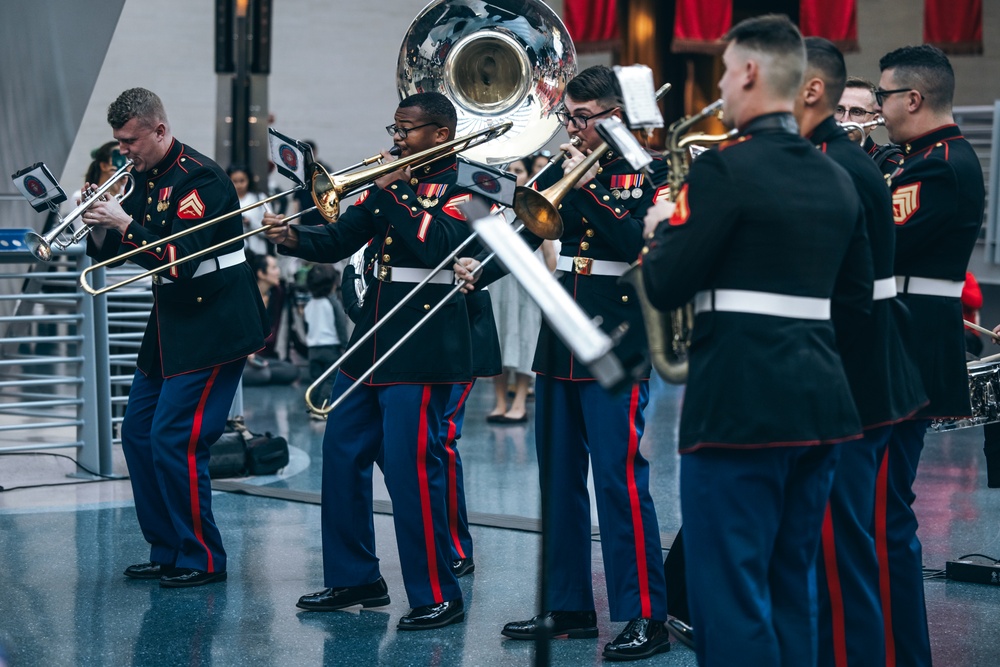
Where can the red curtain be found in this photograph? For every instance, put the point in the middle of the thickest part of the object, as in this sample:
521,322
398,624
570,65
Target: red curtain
699,25
836,21
954,26
592,24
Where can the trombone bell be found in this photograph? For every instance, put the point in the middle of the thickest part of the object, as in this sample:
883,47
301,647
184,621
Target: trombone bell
538,213
324,193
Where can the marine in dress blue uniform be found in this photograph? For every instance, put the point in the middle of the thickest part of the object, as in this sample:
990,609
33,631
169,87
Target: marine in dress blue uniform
414,221
207,317
938,199
578,420
762,251
884,382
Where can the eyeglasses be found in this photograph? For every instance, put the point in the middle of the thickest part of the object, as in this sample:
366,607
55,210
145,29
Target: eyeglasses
394,129
854,112
880,95
580,122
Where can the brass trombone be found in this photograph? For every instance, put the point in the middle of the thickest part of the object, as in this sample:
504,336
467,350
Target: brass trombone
41,246
324,408
335,186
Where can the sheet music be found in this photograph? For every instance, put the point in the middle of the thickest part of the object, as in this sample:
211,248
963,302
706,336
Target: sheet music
639,96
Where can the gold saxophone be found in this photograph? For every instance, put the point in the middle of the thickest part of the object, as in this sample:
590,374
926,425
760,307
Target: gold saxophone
669,342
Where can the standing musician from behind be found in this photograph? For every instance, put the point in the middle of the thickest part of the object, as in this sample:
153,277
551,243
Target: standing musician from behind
938,197
602,235
207,317
857,105
765,229
412,217
884,381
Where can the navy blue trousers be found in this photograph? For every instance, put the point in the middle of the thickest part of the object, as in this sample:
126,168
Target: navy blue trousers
590,425
752,520
451,431
168,427
402,421
901,569
850,612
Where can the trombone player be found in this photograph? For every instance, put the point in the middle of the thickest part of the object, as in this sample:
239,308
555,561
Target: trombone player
411,215
207,317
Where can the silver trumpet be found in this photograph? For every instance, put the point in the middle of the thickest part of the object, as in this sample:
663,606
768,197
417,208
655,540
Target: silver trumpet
851,127
41,246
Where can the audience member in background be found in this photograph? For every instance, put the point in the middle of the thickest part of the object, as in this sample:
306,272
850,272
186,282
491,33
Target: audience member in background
267,367
972,301
518,320
537,162
240,177
326,325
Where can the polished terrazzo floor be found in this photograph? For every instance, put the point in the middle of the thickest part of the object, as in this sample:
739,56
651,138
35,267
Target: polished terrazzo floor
63,600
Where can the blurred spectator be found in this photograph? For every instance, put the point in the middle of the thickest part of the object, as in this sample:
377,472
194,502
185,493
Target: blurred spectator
518,320
242,181
266,367
972,301
326,325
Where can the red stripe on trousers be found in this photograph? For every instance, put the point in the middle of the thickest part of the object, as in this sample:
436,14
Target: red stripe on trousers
449,447
882,550
836,593
633,499
425,498
199,413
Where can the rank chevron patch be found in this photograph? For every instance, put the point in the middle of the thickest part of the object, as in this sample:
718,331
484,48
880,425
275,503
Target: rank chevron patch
191,206
905,202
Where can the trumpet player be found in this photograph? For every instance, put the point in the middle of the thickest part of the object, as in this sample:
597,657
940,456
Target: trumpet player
763,229
182,391
412,216
602,234
857,105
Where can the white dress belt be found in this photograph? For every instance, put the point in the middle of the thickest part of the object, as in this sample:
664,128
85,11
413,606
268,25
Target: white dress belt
762,303
585,266
209,265
885,288
929,286
402,274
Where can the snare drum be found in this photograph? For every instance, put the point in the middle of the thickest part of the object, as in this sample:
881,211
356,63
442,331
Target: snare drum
984,394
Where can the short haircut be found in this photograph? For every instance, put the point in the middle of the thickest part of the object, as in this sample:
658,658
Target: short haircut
435,107
927,70
777,38
597,83
136,103
259,264
321,279
825,60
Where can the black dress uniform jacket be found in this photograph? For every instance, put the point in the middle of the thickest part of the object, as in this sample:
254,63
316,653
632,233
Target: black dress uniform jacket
414,225
603,221
766,213
885,156
884,380
938,199
196,322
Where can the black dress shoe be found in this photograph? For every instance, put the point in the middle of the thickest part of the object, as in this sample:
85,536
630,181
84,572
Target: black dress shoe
433,616
569,624
681,631
641,638
375,594
185,577
149,570
462,566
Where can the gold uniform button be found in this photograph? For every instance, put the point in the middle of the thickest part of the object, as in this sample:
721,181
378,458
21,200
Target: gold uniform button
427,306
386,258
589,232
130,237
151,184
610,154
157,248
413,208
593,186
585,221
388,240
143,243
149,200
413,181
376,211
148,217
155,172
606,197
584,246
406,197
163,222
645,250
198,299
908,148
618,210
625,299
392,187
600,170
938,145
